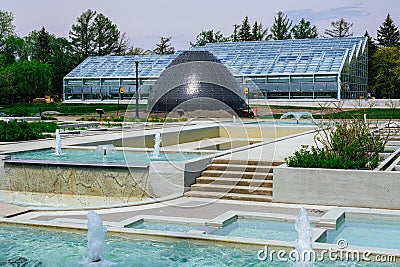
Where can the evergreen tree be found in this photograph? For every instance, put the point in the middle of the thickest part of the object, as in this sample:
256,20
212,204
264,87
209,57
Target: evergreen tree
244,33
106,34
340,28
388,34
282,27
41,48
82,36
303,30
235,34
258,33
164,47
206,37
372,47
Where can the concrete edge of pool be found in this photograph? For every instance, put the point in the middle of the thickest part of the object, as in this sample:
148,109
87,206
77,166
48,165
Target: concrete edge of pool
119,228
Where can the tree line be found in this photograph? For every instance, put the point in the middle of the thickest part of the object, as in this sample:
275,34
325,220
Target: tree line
34,65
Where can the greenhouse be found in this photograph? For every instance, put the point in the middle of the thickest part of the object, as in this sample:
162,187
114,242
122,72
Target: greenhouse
325,68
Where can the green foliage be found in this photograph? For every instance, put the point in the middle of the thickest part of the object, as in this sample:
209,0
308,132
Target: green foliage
41,48
303,30
386,83
245,30
282,27
388,34
7,27
164,47
206,37
340,28
22,131
348,145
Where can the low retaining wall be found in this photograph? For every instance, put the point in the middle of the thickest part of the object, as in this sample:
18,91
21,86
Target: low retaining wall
75,179
354,188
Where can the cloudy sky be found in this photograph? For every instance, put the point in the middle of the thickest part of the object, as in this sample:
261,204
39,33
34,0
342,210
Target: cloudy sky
146,21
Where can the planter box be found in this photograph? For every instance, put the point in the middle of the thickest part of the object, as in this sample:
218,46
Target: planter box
354,188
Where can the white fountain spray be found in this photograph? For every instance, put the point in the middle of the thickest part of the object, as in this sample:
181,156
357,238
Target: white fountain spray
157,143
234,119
96,242
58,143
304,240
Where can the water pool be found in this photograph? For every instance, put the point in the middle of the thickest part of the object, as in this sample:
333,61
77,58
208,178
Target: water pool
45,248
92,156
259,229
367,233
161,226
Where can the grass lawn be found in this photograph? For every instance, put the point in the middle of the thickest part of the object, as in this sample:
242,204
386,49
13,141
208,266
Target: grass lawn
33,109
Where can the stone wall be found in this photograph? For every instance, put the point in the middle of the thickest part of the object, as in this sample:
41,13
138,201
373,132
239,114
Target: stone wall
105,181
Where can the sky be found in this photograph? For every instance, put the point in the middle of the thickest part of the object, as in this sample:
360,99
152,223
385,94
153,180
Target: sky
144,22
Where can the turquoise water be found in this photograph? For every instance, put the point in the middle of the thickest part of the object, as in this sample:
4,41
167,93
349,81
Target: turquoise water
92,156
259,229
368,233
162,226
47,248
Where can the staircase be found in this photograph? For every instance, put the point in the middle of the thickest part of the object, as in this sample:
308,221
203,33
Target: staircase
236,179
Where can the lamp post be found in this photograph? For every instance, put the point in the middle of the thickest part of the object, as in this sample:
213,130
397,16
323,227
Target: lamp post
137,87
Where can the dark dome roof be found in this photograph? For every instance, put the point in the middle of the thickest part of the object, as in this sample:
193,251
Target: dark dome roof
192,75
189,56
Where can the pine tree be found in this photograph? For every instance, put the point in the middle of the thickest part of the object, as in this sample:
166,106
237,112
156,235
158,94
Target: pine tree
41,47
258,33
303,30
281,29
106,34
164,47
372,48
341,28
206,37
388,34
235,35
245,30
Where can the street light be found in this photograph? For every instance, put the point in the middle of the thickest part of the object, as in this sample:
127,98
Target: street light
137,86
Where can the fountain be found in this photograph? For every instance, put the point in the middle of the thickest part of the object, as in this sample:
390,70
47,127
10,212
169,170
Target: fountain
304,252
297,115
96,242
234,119
157,142
105,149
57,151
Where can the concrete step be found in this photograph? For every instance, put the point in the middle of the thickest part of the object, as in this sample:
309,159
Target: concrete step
237,174
234,181
232,189
245,162
233,196
236,167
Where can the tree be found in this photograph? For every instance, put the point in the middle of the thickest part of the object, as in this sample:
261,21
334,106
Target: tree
388,34
164,47
340,28
244,33
372,47
303,30
206,37
235,34
11,50
41,48
258,33
106,36
29,79
7,27
387,80
82,36
281,29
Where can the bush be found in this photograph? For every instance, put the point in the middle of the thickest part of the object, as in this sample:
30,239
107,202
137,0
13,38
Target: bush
22,131
347,145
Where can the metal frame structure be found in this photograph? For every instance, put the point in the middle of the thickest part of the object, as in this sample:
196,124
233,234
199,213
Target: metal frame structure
324,68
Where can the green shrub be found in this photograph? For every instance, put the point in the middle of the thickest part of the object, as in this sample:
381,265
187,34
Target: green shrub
347,145
22,131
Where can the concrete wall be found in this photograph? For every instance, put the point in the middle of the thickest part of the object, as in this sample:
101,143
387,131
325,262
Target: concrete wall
168,178
255,131
75,180
355,188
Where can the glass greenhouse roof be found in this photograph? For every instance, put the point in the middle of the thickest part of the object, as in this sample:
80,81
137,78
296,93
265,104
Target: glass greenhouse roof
324,55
